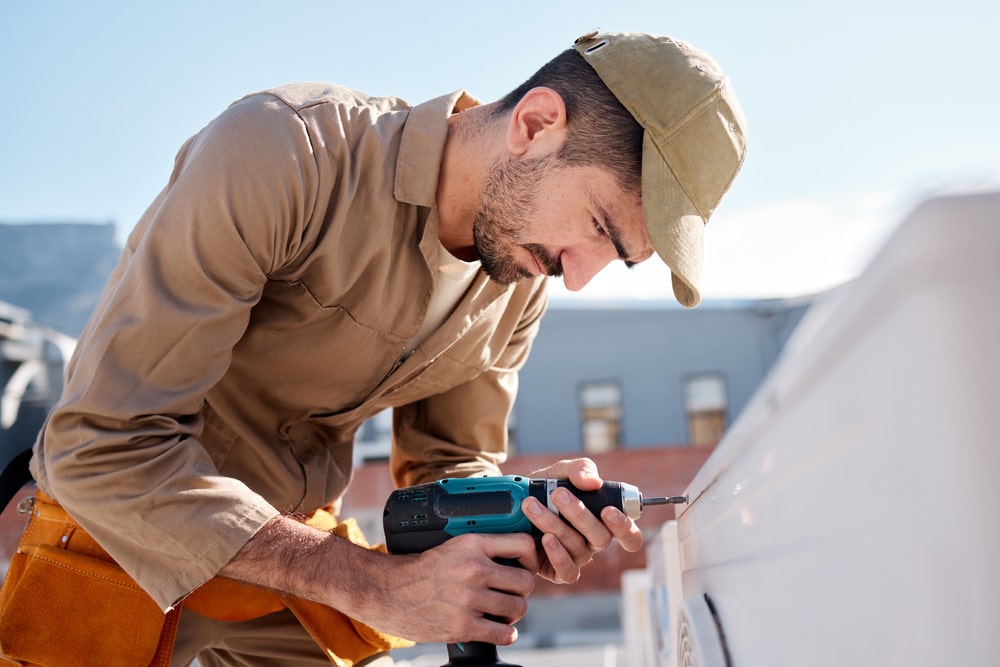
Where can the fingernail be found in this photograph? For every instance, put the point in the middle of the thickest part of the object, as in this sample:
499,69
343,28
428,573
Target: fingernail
534,507
562,496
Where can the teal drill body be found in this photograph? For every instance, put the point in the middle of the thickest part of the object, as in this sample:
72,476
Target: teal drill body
418,518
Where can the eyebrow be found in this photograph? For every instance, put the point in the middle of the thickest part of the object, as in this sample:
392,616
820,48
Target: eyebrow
615,234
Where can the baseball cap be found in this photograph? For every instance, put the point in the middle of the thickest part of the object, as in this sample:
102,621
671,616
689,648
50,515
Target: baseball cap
694,139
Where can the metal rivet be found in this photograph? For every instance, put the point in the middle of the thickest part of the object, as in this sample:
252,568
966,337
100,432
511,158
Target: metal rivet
64,539
26,506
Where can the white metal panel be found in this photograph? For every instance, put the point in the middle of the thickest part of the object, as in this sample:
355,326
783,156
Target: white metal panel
638,619
850,515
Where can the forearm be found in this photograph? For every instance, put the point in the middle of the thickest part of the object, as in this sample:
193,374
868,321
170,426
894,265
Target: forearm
439,595
288,556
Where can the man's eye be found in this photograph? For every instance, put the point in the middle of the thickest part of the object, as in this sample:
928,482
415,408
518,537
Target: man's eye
599,228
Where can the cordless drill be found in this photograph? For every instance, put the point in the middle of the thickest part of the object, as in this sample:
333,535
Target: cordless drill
417,518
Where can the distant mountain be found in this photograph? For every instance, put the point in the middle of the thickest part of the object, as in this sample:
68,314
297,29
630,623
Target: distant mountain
56,270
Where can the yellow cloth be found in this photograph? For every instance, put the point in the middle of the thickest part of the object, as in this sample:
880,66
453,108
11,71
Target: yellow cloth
345,640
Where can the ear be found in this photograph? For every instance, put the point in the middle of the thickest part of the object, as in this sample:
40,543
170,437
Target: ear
537,123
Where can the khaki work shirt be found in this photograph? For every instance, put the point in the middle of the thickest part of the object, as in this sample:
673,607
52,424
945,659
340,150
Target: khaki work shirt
258,316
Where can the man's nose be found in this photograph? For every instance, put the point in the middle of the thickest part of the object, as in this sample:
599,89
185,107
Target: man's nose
580,267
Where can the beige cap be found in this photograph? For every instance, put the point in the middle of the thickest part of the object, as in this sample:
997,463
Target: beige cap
694,141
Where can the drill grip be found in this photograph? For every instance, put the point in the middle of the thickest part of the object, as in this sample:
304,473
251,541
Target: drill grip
474,654
610,493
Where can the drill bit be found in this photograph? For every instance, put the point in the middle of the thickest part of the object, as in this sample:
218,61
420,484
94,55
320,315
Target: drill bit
670,500
633,502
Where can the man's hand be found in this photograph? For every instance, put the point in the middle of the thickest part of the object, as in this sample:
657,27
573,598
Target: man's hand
460,583
569,546
440,595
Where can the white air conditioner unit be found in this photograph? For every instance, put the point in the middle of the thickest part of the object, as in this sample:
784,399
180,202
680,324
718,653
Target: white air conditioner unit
850,516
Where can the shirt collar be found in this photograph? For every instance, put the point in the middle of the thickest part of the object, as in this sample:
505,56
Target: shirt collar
422,146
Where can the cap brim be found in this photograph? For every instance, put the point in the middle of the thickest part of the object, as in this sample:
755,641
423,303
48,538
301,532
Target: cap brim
676,228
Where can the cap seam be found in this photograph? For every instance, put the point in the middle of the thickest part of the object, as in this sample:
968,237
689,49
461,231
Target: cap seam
689,117
683,187
692,113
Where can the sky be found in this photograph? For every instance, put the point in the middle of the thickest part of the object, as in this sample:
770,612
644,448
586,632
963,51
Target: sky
857,110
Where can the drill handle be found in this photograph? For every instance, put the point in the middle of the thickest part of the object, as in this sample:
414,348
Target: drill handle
474,654
610,493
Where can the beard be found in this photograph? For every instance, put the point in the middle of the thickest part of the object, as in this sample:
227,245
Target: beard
505,206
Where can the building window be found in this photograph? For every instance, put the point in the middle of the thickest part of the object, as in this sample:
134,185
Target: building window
601,404
374,439
705,406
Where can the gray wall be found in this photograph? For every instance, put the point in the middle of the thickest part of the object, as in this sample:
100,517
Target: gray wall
650,348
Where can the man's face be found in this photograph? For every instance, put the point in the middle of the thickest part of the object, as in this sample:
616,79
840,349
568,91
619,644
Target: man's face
539,217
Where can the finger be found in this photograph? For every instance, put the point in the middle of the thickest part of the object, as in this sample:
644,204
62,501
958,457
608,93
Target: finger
474,626
583,475
501,607
510,547
507,545
550,523
532,562
581,470
510,580
582,519
623,528
565,568
484,629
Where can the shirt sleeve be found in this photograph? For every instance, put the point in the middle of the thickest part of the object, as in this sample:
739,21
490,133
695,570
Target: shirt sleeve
463,431
121,451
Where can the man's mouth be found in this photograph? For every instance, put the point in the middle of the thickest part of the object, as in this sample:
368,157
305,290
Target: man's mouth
537,269
544,263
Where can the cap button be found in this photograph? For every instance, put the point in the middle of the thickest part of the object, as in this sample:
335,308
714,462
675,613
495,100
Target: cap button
586,38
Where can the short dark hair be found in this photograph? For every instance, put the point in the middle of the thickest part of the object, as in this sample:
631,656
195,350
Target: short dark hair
601,131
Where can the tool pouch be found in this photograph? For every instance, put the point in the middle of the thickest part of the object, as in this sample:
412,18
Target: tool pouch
66,602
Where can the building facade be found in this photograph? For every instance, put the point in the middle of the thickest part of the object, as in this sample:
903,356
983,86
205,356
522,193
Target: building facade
609,376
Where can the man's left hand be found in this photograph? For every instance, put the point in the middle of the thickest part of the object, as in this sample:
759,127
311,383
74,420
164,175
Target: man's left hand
571,538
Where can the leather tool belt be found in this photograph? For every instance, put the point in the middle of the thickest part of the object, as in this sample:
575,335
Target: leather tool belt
66,603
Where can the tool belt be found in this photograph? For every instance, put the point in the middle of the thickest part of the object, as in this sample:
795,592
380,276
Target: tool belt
66,603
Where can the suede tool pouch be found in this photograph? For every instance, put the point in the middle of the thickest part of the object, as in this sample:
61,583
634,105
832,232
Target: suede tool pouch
70,609
66,603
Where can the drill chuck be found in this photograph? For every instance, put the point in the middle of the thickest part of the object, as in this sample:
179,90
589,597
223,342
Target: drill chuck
631,501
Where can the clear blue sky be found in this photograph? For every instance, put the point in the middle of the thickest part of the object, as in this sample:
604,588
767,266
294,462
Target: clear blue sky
857,109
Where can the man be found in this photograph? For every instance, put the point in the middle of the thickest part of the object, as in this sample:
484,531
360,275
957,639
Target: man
319,255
